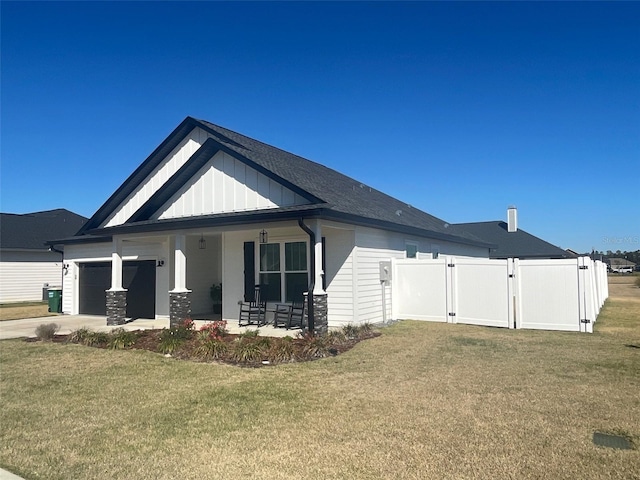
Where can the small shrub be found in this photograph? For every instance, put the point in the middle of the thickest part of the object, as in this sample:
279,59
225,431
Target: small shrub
246,352
184,329
249,334
211,348
315,346
80,336
46,331
350,331
120,339
282,351
171,339
365,330
97,339
215,330
336,337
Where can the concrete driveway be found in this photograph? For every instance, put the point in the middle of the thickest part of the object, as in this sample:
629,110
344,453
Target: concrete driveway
68,323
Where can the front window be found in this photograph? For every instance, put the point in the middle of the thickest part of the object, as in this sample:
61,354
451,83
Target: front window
290,277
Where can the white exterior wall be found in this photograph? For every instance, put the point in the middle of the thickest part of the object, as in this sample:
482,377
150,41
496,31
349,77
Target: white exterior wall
23,274
101,252
225,184
340,247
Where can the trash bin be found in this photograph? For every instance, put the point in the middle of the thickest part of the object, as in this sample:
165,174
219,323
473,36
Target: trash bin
55,300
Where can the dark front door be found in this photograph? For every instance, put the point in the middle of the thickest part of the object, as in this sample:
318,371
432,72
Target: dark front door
139,278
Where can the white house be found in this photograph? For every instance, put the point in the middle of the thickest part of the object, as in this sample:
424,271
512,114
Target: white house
210,206
27,265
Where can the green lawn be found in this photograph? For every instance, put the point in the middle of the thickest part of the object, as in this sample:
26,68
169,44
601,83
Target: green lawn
423,400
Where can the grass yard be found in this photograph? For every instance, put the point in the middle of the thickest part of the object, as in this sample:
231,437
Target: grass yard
424,400
15,311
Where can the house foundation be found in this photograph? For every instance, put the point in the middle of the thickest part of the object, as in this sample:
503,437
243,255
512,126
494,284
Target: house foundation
116,307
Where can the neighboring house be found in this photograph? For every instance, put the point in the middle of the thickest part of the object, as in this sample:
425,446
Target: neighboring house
620,265
211,206
26,263
511,241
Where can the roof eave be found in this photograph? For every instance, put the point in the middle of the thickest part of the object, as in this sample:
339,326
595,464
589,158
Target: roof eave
321,212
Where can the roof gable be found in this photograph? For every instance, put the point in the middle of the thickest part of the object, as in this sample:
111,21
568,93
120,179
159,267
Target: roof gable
174,168
31,230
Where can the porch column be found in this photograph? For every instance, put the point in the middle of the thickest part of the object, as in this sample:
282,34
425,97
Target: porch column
319,297
116,295
180,296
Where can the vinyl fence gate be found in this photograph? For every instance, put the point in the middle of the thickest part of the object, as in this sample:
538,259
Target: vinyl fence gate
564,294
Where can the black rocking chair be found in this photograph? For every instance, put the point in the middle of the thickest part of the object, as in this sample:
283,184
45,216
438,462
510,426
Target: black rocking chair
254,311
289,315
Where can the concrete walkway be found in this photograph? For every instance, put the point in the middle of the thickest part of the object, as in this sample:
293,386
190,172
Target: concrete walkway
69,323
4,475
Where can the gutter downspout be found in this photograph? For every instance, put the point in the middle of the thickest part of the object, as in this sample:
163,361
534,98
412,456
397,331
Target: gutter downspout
312,273
54,249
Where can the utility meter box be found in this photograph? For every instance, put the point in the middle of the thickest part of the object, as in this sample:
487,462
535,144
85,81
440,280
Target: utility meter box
385,271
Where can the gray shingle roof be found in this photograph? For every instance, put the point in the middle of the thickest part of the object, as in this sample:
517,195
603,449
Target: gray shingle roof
518,244
335,193
340,192
32,230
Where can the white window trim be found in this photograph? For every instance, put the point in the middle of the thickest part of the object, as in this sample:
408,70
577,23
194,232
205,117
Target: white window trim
283,272
413,244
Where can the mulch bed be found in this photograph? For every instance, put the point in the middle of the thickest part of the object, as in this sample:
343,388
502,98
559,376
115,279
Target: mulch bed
303,348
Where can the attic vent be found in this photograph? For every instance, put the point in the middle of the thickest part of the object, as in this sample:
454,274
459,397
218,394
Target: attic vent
362,185
398,212
446,225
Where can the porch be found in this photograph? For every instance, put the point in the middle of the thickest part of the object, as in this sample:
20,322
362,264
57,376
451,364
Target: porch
285,259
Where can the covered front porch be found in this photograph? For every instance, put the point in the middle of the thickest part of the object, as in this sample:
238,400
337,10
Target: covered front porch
284,258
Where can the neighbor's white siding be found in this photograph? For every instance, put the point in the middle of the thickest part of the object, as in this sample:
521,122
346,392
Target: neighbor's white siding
225,184
23,274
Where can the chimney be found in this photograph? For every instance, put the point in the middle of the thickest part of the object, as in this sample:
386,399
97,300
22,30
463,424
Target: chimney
512,219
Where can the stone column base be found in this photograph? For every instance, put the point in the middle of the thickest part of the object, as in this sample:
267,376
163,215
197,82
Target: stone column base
179,307
320,317
116,307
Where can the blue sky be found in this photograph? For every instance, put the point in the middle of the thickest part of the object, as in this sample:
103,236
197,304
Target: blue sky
459,109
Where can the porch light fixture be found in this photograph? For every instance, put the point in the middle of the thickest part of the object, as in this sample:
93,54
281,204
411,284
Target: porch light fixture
264,236
202,243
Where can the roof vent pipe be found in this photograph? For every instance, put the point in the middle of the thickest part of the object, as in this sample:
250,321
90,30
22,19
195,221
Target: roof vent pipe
512,219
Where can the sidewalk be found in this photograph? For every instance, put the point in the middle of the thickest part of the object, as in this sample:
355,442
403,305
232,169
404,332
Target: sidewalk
68,323
4,475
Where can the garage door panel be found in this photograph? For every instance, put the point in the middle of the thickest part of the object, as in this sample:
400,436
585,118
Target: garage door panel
139,278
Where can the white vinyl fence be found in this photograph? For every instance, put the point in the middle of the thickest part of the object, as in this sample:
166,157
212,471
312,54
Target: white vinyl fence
539,294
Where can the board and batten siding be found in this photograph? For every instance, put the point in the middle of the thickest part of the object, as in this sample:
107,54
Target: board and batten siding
101,252
226,184
170,165
23,275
